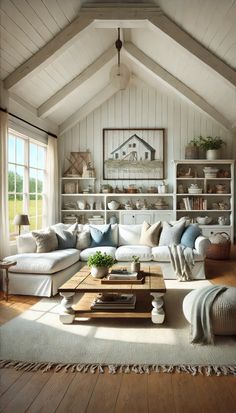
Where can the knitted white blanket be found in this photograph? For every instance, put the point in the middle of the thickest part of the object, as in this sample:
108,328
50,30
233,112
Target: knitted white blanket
182,261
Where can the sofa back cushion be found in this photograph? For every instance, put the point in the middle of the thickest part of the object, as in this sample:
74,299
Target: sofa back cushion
129,234
45,241
171,234
189,235
101,237
83,240
66,237
150,234
114,231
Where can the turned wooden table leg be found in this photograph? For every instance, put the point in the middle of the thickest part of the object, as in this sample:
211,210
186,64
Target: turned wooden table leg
67,314
158,314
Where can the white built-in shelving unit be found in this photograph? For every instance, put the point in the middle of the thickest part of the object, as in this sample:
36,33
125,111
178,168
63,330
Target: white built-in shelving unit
212,202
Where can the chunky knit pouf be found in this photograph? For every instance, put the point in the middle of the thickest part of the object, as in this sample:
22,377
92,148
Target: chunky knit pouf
223,311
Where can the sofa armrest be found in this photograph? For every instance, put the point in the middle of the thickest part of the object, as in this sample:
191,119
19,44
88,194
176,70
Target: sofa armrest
201,245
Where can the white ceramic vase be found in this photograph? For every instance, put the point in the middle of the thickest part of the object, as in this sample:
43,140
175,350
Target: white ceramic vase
99,272
212,154
135,266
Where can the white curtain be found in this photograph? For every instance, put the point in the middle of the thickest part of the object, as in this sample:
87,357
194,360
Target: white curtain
4,224
52,182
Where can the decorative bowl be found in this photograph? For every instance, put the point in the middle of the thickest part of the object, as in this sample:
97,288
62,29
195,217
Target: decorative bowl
204,220
113,205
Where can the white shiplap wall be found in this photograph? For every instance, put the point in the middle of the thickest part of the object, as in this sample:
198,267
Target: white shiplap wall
141,106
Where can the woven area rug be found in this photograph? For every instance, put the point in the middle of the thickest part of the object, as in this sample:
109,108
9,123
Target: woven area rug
37,340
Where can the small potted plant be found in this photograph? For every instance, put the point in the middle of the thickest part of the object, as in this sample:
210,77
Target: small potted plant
211,146
100,264
135,264
192,148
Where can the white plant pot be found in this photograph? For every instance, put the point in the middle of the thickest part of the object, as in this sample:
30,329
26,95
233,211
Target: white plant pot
135,266
212,154
99,272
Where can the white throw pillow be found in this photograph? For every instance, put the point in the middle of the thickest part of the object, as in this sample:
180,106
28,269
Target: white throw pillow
26,243
150,234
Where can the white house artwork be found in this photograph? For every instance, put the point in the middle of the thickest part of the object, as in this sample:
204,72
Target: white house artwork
133,154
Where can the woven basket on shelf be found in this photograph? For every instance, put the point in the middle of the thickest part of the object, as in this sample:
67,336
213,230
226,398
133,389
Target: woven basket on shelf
221,250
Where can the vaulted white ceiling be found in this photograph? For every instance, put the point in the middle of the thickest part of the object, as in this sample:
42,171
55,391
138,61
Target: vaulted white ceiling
63,74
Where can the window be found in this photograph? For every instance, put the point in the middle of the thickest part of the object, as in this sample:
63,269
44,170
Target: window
116,156
146,155
123,153
26,180
134,145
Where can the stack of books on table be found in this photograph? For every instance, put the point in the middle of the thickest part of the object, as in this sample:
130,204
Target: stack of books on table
122,275
114,301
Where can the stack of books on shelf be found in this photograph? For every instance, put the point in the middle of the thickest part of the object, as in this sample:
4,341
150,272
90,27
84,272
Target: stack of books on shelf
197,203
114,301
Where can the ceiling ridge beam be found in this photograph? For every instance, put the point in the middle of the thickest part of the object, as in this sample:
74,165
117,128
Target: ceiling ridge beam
139,57
96,101
166,25
54,101
48,52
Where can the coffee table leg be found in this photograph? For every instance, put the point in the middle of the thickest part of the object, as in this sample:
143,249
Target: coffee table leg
67,313
158,314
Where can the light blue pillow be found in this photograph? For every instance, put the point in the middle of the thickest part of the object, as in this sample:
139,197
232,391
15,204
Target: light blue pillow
189,236
101,237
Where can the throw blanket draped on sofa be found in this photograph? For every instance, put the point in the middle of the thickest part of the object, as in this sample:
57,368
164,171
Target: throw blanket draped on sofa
182,261
201,330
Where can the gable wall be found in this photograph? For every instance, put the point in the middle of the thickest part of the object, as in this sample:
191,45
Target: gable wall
141,106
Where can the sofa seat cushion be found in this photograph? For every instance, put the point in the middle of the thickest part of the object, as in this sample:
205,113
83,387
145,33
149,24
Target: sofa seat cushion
126,252
44,263
161,254
90,251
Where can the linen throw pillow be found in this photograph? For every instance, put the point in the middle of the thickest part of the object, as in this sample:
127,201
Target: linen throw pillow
101,237
171,234
189,235
45,241
83,240
66,237
150,234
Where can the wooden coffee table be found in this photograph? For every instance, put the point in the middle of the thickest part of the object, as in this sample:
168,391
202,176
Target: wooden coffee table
83,282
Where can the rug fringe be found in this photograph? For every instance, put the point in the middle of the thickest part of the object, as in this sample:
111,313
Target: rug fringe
210,370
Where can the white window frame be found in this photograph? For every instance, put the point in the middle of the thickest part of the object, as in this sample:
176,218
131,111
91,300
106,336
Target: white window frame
26,186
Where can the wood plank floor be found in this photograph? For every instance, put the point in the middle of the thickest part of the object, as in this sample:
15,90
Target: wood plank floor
121,393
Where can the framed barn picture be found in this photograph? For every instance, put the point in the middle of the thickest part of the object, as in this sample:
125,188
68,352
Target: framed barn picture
133,154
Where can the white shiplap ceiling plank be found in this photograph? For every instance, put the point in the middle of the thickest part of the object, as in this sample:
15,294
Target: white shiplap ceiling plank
57,13
44,15
14,43
48,52
14,14
17,32
152,66
29,13
57,99
191,45
70,8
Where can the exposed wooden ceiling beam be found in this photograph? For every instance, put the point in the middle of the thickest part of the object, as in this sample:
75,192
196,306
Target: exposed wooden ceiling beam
162,22
107,13
87,108
54,101
139,57
48,52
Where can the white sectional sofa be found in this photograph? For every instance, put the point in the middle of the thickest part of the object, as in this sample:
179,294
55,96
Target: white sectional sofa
42,273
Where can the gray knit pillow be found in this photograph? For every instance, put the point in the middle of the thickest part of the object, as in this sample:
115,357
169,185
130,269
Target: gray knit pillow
67,237
45,241
171,234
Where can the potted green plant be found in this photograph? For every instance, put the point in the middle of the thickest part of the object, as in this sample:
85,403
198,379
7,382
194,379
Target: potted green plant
100,264
135,264
192,148
211,146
